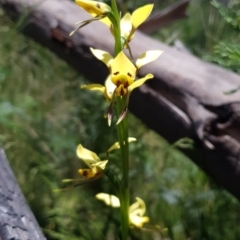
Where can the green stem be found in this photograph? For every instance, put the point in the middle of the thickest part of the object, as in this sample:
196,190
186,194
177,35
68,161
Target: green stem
116,28
122,131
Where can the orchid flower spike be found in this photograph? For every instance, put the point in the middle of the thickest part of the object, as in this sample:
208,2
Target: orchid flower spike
136,210
98,10
122,75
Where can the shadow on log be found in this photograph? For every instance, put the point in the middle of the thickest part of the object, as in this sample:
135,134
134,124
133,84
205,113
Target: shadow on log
16,219
186,98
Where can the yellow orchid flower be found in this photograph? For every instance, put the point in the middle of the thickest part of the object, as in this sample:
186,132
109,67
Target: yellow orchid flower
122,76
136,213
98,10
129,23
96,166
123,72
136,210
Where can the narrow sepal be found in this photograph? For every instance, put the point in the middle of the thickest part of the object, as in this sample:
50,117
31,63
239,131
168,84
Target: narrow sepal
122,115
110,113
86,22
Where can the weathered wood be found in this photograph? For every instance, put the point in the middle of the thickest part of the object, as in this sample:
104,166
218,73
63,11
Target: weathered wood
165,17
16,219
186,98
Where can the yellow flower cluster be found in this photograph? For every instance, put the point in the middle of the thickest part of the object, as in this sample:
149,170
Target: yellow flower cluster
95,170
136,210
122,79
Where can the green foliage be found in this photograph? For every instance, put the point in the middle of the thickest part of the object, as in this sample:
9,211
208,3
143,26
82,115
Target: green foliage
44,116
184,143
230,14
227,55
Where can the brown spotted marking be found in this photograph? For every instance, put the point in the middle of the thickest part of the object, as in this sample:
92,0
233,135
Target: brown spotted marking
122,91
85,174
116,73
129,74
98,5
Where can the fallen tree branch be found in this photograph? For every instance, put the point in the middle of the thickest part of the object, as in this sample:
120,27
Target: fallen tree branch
186,98
16,219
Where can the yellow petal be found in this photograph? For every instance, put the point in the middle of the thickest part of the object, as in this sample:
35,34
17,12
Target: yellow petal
116,145
136,212
94,7
108,199
140,82
87,156
138,221
100,166
102,55
94,87
132,139
138,17
141,14
126,26
122,69
110,88
147,57
138,208
107,91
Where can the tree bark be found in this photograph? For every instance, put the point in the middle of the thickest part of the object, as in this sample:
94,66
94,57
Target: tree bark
186,98
16,219
165,17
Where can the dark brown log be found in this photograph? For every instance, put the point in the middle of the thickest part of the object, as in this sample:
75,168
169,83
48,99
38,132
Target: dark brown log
16,219
165,17
186,98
